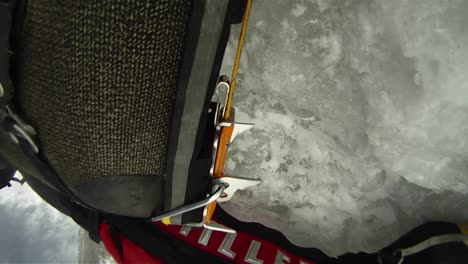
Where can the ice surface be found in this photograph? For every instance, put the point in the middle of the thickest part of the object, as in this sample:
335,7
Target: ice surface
361,112
33,231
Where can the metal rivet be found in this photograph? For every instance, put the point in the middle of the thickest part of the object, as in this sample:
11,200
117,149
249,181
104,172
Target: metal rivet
2,92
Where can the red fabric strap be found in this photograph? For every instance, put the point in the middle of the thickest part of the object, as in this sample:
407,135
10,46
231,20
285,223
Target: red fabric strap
268,252
132,253
241,247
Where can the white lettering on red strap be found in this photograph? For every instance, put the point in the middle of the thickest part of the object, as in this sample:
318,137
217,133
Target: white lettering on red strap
225,247
281,257
185,230
205,237
252,253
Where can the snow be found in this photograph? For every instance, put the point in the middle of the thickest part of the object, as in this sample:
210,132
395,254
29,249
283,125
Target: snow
32,230
361,113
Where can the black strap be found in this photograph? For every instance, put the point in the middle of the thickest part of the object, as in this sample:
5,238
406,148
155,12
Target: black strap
449,253
116,239
199,176
94,220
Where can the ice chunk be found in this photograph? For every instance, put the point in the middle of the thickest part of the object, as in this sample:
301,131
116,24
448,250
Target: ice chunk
361,112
